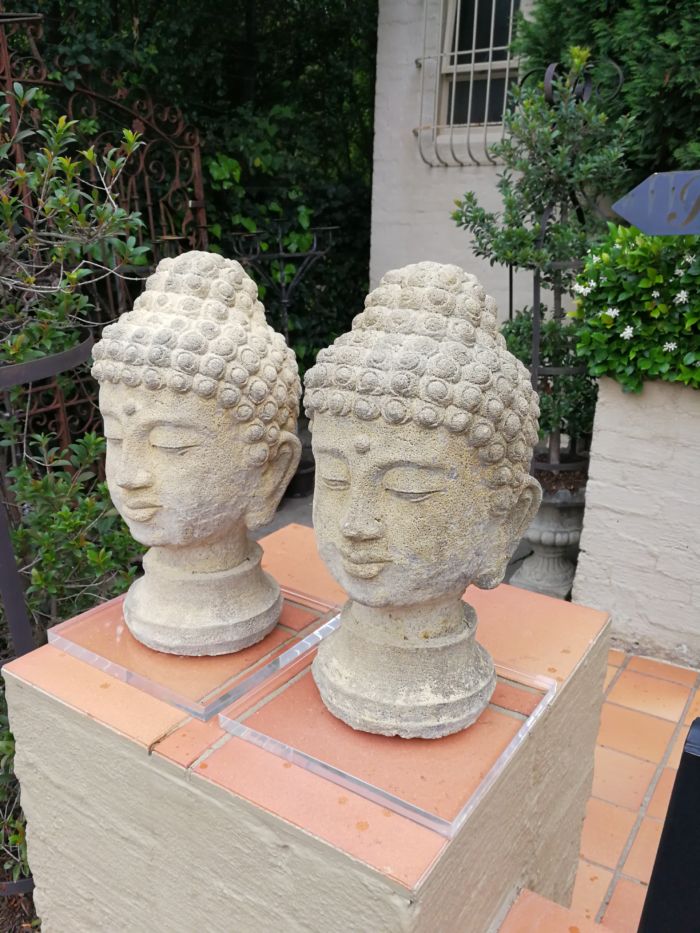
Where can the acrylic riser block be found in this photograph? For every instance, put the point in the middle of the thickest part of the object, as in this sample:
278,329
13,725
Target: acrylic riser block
200,686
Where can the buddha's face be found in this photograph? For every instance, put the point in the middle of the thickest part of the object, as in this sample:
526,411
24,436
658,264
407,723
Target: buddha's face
402,514
177,466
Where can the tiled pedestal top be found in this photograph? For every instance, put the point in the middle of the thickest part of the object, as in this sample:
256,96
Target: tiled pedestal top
524,632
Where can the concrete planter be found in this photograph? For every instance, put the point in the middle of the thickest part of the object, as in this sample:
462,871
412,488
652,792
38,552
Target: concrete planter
555,530
640,543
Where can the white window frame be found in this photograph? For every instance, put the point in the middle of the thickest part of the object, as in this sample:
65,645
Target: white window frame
451,70
441,141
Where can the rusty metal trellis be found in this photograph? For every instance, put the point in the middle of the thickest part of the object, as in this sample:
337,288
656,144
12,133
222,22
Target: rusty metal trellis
163,182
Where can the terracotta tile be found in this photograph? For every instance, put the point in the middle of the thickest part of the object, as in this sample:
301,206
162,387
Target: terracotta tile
186,744
679,675
392,844
621,779
532,913
592,883
605,832
115,704
616,657
651,695
625,907
640,860
609,674
438,776
674,758
516,698
693,709
634,733
658,805
534,633
291,557
522,630
297,618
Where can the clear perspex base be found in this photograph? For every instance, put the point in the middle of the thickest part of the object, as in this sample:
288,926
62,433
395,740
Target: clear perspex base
200,686
405,776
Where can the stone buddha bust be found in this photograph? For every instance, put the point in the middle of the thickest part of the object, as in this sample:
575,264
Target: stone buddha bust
423,426
200,399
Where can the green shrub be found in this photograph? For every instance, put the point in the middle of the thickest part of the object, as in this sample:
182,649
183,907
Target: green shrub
559,158
567,403
638,308
69,540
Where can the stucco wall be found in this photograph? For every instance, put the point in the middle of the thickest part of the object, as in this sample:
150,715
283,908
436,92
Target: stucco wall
411,201
640,547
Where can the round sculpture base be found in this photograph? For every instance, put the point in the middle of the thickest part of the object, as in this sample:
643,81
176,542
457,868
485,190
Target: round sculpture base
378,680
202,614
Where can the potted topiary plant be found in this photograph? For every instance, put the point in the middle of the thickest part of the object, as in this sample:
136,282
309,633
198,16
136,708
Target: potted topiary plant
561,160
567,405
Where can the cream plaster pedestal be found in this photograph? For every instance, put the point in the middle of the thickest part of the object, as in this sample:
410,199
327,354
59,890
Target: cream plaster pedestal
143,820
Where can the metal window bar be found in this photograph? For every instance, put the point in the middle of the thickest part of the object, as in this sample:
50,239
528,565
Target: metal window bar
443,70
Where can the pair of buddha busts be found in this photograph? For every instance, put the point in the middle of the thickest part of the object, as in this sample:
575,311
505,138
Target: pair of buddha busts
423,426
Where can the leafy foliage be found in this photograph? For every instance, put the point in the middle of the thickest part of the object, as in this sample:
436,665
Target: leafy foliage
638,312
559,160
283,96
61,229
567,403
13,842
655,44
69,539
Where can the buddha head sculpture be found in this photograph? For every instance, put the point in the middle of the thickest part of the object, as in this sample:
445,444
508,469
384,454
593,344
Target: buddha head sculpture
423,427
200,399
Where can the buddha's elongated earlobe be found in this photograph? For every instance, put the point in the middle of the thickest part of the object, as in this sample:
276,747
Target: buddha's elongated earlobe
507,538
276,475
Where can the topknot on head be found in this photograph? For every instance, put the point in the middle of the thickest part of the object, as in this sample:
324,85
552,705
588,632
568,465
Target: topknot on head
199,327
426,291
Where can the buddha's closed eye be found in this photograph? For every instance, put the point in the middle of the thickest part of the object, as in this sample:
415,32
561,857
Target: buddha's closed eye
414,484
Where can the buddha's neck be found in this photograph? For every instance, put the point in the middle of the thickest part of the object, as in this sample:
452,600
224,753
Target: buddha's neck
211,557
429,620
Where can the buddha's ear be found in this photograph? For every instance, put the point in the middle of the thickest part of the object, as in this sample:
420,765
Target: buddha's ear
274,479
506,538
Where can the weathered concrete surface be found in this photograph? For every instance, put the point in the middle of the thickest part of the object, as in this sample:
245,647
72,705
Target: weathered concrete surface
641,530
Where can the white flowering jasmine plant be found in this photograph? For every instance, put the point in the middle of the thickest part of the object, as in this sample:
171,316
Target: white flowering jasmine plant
638,308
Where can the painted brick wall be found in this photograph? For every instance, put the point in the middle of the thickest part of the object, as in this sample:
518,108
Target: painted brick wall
412,202
640,547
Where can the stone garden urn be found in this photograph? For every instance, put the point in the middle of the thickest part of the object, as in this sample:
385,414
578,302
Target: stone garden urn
555,530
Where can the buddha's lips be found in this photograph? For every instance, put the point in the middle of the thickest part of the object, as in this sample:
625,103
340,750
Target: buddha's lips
139,511
364,566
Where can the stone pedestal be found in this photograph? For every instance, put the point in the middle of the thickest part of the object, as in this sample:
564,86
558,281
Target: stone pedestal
142,819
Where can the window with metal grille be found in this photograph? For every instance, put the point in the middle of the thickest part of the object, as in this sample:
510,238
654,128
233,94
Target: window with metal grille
465,83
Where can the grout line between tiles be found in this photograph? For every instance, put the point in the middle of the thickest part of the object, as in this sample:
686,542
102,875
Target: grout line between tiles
663,763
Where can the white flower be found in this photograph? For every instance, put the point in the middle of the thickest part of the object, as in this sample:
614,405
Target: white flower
603,279
581,289
679,272
681,297
689,257
591,283
627,333
595,258
655,293
670,345
613,312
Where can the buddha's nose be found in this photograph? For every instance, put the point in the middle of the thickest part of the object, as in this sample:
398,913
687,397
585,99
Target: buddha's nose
361,521
131,474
